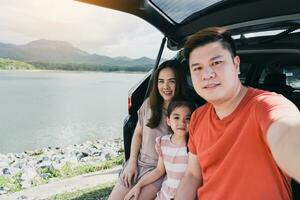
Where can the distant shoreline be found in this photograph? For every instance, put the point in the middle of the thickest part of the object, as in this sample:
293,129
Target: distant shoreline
84,71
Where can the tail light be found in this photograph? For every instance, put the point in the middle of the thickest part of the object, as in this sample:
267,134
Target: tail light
129,103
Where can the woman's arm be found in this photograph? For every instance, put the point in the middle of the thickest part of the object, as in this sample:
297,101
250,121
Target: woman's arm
150,177
136,142
130,172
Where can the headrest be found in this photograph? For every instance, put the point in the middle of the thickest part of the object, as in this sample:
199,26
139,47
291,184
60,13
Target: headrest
275,79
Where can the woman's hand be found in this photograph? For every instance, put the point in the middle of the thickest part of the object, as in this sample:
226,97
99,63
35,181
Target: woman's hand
130,173
134,193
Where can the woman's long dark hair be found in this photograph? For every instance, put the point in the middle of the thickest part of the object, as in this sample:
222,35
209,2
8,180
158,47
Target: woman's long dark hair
155,99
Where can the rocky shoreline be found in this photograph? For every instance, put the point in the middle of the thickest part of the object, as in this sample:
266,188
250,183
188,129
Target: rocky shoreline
34,166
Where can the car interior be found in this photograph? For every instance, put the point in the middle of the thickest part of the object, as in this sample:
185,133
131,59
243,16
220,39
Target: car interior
268,69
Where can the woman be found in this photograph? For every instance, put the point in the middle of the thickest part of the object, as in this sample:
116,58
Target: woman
166,84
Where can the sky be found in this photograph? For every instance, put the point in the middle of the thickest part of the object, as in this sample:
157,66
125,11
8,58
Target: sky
88,27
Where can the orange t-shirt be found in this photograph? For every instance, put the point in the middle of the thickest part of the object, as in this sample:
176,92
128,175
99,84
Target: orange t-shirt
236,162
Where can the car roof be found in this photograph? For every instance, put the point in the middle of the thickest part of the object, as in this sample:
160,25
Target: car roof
177,19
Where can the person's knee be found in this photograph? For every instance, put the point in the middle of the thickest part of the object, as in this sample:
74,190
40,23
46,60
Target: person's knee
118,192
148,193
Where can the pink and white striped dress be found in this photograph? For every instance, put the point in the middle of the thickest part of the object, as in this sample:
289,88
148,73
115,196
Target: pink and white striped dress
175,159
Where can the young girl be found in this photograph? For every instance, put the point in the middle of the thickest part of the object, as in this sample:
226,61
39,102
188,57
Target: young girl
172,151
166,84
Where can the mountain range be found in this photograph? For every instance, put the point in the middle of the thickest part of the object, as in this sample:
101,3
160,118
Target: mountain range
60,52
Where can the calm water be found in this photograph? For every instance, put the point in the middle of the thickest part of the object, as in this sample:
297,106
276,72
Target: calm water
40,109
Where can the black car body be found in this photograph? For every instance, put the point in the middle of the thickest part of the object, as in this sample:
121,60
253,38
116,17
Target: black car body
266,32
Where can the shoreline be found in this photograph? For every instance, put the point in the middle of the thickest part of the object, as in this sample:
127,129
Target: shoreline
30,151
77,71
38,166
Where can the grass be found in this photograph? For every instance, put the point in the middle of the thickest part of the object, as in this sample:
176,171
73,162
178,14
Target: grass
68,171
95,193
13,183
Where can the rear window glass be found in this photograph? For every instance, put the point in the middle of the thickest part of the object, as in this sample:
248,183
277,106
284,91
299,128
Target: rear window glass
281,75
179,10
293,77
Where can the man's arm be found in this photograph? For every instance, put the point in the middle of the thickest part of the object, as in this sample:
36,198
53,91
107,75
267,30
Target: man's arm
191,180
283,138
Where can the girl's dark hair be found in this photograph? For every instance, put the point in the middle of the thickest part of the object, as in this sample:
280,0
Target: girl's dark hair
179,101
155,99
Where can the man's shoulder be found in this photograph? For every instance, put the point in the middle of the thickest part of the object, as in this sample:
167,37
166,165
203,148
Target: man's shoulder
202,109
264,102
200,113
262,96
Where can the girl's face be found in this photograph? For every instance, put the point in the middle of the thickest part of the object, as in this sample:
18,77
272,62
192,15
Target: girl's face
179,120
166,84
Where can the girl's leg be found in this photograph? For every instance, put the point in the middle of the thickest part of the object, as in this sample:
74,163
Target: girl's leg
119,192
148,192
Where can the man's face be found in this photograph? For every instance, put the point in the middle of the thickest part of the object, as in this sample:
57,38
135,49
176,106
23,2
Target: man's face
214,73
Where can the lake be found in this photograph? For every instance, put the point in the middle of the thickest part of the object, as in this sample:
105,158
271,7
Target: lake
51,108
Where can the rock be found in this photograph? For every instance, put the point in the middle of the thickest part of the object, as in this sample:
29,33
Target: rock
22,197
19,163
94,160
38,152
27,163
3,191
4,164
28,173
81,155
43,160
20,155
5,171
11,171
107,156
46,175
45,164
26,184
57,166
71,160
4,161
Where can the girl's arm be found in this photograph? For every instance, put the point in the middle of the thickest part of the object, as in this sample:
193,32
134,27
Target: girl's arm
155,174
130,172
150,177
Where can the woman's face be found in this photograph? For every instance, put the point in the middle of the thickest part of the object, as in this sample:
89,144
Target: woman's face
166,84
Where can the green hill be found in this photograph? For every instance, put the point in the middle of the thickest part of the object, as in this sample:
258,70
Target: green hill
6,63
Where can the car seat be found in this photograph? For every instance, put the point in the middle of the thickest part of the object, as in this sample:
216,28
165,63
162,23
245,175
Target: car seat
277,82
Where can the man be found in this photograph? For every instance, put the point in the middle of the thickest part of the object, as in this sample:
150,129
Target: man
244,142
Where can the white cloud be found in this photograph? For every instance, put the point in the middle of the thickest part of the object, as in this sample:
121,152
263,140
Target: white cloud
91,28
